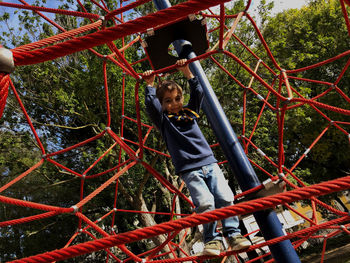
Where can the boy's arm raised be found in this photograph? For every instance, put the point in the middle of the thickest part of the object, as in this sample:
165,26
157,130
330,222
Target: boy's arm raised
149,77
153,106
184,68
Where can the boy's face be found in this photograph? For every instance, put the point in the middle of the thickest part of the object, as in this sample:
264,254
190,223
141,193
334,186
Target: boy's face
172,101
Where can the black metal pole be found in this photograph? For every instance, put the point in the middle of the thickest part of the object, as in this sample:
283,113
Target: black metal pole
270,226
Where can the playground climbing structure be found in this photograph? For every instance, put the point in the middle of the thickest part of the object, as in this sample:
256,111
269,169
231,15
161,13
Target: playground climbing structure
278,96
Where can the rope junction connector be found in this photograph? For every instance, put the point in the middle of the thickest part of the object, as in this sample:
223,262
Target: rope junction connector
281,176
191,17
75,209
150,31
7,64
144,44
104,21
286,101
261,152
259,97
271,188
307,151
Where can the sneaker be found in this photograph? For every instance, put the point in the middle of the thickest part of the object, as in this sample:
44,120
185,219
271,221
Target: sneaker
212,248
238,242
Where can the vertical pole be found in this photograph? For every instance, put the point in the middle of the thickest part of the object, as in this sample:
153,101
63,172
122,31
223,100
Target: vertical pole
270,226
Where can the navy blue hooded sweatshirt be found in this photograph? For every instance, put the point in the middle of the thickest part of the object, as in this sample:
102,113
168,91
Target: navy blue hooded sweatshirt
186,143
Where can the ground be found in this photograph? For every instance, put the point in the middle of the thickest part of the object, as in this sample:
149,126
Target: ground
338,255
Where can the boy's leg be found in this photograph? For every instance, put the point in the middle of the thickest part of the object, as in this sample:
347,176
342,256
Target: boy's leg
223,196
202,199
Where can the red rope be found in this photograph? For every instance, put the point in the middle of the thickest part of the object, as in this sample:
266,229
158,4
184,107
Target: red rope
28,118
50,10
4,87
18,202
104,185
30,54
322,105
346,53
18,178
110,34
194,220
126,8
28,219
345,13
59,37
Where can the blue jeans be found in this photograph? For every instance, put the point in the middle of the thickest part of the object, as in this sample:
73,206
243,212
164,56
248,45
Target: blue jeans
209,190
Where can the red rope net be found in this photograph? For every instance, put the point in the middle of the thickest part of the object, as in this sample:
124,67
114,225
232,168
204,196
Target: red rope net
283,99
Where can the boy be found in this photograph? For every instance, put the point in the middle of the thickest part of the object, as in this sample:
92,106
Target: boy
191,154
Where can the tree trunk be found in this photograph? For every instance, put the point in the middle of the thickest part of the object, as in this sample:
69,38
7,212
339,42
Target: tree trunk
148,220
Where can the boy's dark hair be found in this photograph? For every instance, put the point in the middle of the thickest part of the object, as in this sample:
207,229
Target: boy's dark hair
167,85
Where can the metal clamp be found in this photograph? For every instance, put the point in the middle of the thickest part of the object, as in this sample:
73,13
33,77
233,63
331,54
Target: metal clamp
7,64
271,188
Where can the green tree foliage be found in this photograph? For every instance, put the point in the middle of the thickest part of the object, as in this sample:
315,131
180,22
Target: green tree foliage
230,93
65,99
296,38
299,38
66,103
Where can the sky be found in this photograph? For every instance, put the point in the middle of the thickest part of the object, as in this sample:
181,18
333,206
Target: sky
281,5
